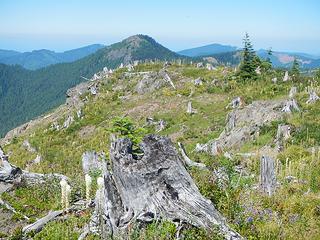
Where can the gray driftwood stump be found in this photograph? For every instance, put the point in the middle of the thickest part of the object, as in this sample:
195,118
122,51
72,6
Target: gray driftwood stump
267,175
152,186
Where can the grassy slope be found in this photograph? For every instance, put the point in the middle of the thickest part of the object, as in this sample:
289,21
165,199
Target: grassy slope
289,214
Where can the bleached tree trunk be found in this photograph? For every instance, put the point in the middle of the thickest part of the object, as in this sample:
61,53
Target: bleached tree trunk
155,186
267,175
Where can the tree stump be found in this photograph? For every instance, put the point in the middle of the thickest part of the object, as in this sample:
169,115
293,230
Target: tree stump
150,187
267,175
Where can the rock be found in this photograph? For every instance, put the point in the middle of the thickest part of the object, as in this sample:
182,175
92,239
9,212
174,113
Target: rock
151,187
91,162
286,76
293,92
242,125
267,175
313,97
37,160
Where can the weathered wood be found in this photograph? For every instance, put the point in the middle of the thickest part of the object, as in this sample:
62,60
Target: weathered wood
10,208
8,172
283,134
293,92
313,97
243,124
31,178
12,174
267,175
237,102
152,187
187,160
92,161
190,110
290,106
286,76
39,224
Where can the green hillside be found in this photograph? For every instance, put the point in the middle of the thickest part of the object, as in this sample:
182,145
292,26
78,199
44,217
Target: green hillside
26,94
292,212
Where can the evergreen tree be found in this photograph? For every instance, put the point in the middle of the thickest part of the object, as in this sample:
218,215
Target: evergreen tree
249,61
269,56
318,73
295,70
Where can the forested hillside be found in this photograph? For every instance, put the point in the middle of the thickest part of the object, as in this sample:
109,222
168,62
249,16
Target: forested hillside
26,94
42,58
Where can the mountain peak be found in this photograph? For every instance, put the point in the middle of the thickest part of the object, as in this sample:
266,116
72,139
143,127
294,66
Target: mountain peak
138,39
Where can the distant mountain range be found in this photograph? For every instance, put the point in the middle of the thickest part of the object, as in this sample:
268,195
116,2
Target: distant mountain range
230,54
25,94
223,53
285,59
207,50
42,58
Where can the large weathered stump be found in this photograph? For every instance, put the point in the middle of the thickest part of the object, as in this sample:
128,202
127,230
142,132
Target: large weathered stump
152,186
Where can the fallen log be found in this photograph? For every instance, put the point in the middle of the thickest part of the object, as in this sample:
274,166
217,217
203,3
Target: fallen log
39,224
12,174
187,160
10,208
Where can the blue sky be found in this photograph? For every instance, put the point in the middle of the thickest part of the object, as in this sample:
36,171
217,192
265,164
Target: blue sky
65,24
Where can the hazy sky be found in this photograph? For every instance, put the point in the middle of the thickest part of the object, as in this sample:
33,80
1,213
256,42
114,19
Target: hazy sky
178,24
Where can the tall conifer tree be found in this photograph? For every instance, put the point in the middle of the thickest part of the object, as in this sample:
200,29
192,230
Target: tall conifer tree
248,64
